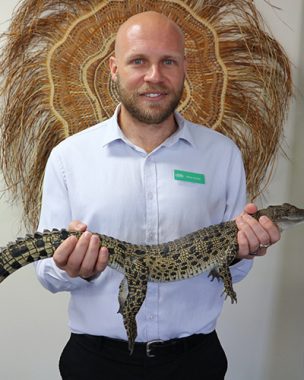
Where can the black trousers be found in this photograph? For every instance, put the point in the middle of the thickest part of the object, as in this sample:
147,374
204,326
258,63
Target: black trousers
86,357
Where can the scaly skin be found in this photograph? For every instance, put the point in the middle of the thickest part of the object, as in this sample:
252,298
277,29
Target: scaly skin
210,249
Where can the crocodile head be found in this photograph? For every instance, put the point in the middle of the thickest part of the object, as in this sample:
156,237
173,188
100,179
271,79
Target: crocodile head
284,216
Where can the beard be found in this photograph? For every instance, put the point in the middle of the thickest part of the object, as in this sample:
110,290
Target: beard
157,113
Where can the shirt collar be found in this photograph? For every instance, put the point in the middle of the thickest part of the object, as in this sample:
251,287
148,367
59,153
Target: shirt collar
112,131
182,133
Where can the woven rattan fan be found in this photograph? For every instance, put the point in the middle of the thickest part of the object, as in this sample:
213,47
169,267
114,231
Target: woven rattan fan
56,81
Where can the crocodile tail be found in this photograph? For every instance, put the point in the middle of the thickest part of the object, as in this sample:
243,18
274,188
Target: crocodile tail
136,273
29,249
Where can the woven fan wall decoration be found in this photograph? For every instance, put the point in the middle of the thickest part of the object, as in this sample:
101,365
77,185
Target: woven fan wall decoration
56,81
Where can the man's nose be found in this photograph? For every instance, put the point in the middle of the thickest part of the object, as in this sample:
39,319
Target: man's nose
153,74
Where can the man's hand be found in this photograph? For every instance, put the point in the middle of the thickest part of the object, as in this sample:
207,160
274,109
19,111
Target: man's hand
255,236
81,257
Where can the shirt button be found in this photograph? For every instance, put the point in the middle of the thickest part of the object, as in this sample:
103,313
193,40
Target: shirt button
150,195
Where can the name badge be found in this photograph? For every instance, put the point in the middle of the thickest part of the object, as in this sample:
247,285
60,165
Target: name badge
181,175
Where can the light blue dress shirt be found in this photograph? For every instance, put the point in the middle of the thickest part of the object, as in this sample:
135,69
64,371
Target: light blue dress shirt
99,177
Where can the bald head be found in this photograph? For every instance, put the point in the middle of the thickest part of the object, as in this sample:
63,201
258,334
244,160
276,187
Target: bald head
149,25
149,68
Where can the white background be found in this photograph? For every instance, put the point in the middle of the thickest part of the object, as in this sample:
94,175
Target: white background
263,334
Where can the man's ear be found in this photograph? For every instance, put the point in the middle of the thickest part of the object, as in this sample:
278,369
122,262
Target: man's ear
113,68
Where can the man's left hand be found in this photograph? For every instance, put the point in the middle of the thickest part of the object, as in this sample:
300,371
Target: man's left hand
254,237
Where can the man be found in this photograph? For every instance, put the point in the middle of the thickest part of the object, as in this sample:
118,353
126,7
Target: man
119,178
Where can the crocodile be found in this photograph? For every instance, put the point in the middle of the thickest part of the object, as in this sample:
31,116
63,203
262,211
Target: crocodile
212,249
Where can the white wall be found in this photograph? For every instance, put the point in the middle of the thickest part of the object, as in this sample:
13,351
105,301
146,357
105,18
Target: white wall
33,322
262,334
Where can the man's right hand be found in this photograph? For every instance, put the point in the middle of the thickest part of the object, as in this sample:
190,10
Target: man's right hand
81,257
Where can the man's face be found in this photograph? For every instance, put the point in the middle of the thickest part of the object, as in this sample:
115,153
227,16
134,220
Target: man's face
149,69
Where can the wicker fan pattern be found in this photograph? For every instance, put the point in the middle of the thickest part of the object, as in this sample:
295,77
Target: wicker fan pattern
56,82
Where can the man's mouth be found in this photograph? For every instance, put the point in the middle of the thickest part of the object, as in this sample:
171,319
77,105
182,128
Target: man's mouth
154,94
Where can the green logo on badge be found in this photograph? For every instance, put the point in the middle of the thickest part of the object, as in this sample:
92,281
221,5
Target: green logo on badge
181,175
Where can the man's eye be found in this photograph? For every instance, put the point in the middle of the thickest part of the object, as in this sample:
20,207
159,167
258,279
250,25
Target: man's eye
168,61
138,61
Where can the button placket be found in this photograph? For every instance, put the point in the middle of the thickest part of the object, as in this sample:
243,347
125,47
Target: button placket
150,186
150,189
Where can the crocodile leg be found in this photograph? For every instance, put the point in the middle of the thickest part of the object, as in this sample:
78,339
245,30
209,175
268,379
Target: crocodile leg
225,274
222,272
122,294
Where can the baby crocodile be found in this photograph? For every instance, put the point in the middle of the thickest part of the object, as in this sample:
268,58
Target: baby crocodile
210,249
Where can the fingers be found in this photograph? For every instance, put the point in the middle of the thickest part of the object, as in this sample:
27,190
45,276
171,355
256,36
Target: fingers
95,259
76,258
76,225
63,252
253,234
250,208
88,256
102,260
272,229
244,250
81,257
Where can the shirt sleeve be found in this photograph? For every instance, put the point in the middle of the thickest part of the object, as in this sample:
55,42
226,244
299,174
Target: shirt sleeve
55,213
235,203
